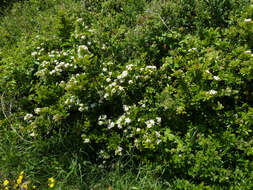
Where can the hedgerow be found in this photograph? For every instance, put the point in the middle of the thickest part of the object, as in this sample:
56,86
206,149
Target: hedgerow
122,79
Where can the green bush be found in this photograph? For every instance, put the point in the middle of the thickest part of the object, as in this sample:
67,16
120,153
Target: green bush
114,79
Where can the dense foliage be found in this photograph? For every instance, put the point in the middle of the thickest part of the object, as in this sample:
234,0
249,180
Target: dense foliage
168,84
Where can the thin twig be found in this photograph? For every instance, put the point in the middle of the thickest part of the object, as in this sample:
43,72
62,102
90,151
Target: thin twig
7,118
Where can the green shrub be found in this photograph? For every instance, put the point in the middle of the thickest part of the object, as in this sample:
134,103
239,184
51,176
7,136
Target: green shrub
131,78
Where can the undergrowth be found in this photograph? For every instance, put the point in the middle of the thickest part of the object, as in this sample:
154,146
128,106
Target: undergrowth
113,94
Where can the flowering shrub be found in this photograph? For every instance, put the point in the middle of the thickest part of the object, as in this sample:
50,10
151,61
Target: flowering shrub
182,100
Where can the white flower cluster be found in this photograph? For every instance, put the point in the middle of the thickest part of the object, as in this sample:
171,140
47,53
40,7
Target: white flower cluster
158,135
150,123
118,151
28,117
60,67
87,140
249,52
45,68
212,92
151,67
247,20
37,110
192,49
127,76
122,75
121,121
102,119
74,101
216,77
55,53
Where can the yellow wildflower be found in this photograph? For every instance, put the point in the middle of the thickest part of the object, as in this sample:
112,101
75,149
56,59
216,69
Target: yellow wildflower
6,188
25,186
6,182
34,186
21,173
51,180
51,185
19,180
15,186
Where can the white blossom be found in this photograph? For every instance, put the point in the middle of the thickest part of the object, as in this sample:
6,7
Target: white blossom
247,20
121,88
28,116
129,67
126,108
111,125
118,151
150,67
158,119
212,92
150,123
34,53
106,95
216,78
32,134
124,74
130,82
100,122
37,110
52,72
128,120
192,49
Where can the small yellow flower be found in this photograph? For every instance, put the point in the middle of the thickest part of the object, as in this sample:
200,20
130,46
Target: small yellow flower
34,186
25,186
19,180
51,180
21,173
15,186
6,182
6,188
51,185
